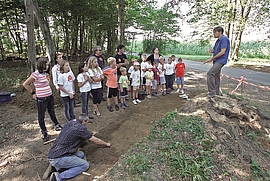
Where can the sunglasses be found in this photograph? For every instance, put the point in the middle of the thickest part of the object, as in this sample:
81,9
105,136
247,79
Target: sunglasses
99,50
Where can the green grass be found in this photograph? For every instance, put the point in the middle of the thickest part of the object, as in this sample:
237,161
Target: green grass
179,148
181,159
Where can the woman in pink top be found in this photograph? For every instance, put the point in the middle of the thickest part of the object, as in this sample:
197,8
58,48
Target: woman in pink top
43,95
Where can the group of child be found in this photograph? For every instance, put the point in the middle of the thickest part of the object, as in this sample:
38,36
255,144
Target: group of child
153,79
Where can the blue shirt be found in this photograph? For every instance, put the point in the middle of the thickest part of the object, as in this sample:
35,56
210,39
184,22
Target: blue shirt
222,42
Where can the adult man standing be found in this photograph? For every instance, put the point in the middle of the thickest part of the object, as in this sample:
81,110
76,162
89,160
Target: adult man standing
220,58
64,153
121,59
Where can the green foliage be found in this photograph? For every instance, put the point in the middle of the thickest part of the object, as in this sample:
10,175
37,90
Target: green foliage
9,82
259,173
181,159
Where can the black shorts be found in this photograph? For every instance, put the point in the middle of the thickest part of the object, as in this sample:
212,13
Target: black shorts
112,92
124,93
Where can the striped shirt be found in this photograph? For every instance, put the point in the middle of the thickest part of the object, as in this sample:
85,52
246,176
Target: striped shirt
42,84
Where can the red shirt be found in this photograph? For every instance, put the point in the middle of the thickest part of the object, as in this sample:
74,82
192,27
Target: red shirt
156,73
180,69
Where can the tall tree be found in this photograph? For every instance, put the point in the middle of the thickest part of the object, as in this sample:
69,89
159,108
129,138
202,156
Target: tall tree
121,21
234,15
29,17
44,26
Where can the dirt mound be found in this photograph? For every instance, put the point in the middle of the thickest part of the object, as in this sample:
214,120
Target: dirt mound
241,130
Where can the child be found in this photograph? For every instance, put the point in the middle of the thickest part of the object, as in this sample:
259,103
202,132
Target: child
131,68
143,70
43,95
97,76
56,69
123,83
149,77
66,87
84,80
155,82
162,69
180,72
173,75
135,79
111,73
169,75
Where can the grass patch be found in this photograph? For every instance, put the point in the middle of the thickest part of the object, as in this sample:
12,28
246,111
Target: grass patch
177,148
11,78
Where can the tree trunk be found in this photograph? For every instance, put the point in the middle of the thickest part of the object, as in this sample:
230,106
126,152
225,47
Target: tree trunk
121,21
2,51
31,49
74,38
44,26
82,36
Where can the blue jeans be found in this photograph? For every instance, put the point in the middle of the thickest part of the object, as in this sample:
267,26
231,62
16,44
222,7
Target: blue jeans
69,107
85,98
74,165
44,103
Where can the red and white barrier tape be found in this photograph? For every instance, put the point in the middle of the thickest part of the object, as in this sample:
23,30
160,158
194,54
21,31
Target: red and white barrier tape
242,80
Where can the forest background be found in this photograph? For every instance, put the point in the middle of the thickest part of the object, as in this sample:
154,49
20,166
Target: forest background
32,28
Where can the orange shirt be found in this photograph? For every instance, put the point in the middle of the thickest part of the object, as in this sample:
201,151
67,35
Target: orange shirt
111,74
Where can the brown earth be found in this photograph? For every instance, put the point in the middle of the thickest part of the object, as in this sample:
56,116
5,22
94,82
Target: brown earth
22,147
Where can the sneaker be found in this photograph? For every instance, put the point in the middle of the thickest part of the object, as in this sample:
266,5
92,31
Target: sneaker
125,104
163,93
126,98
138,101
154,94
211,95
149,96
116,107
91,117
134,102
54,176
178,90
58,127
45,136
110,108
182,91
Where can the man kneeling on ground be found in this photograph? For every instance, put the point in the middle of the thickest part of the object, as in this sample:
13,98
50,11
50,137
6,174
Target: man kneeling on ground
64,154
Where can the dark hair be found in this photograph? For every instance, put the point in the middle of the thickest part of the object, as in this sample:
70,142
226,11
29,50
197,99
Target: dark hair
120,47
96,48
81,66
63,62
55,57
219,29
82,117
41,65
172,55
154,49
180,59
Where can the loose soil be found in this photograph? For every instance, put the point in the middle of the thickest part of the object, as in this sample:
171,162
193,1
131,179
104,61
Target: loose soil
22,147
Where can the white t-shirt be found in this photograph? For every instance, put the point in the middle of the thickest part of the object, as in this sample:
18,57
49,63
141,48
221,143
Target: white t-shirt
160,69
169,69
66,80
55,75
135,76
131,68
143,66
87,86
95,74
